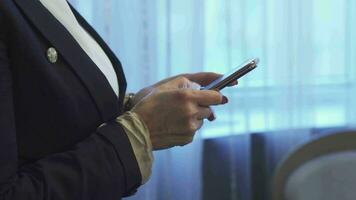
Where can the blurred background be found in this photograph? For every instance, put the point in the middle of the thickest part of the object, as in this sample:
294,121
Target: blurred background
306,80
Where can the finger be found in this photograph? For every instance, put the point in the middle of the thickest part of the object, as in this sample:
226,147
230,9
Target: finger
186,138
179,82
183,140
166,80
181,78
205,113
212,117
174,140
203,78
199,124
233,83
191,85
208,97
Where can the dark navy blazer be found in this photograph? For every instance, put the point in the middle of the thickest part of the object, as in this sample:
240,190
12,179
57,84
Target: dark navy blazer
50,143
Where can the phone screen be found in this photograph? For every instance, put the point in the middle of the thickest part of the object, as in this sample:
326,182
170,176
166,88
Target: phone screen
233,75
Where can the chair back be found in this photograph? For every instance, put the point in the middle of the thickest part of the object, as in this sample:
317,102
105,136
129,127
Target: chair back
324,168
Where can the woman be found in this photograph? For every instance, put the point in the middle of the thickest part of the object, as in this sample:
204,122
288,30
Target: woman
67,131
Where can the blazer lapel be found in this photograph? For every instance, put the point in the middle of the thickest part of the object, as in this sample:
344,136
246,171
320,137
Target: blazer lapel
114,60
93,79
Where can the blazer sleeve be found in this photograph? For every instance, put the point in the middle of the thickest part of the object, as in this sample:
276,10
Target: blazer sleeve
103,166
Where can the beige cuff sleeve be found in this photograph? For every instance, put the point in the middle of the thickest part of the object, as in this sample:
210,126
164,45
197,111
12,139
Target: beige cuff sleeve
138,135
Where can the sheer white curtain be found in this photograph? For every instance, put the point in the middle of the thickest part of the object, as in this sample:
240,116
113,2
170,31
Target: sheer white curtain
306,77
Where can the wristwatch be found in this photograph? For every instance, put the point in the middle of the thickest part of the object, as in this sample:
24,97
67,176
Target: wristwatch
129,101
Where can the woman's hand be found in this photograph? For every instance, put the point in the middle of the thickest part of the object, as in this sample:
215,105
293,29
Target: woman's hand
202,78
173,112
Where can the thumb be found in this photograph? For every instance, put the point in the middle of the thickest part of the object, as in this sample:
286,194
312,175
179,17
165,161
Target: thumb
203,78
191,85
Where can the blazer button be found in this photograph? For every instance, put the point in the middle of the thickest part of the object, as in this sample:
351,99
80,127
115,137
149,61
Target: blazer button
52,55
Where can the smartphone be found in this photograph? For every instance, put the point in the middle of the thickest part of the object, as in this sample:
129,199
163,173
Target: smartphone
232,76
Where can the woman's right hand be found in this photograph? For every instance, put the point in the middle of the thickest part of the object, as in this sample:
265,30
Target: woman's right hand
173,112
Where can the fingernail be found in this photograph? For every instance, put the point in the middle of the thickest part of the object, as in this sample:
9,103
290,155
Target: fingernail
225,100
212,117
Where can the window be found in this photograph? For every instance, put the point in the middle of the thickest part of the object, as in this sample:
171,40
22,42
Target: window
306,77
